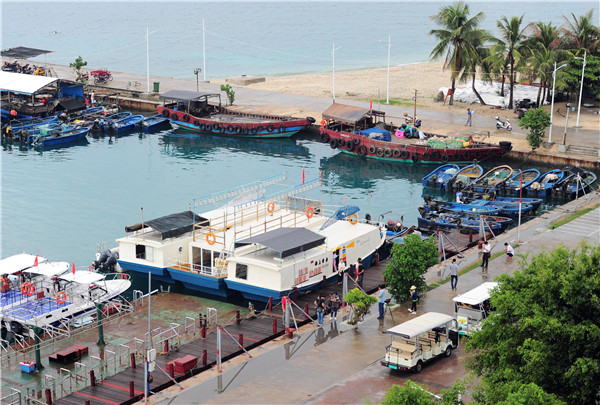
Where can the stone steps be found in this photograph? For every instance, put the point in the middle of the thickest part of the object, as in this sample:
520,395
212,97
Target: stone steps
583,150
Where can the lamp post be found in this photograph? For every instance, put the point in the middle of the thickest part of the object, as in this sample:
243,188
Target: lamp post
148,59
333,49
196,71
566,124
556,69
580,90
204,49
389,44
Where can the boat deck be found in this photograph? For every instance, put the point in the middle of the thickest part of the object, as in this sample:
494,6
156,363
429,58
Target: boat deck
12,297
230,118
186,267
32,309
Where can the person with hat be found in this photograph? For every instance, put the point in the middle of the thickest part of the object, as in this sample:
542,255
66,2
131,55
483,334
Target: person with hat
414,295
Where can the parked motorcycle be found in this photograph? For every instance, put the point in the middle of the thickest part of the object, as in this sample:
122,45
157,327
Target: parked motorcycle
503,124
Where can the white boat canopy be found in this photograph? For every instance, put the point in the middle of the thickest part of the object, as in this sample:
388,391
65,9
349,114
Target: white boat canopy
477,295
18,262
22,83
83,277
420,324
49,269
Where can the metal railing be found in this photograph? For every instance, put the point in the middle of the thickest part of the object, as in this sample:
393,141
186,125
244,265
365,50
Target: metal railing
14,397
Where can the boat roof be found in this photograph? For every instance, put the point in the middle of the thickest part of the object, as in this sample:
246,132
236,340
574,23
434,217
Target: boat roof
22,83
18,262
477,295
171,225
186,95
347,114
23,52
49,269
82,277
286,241
420,324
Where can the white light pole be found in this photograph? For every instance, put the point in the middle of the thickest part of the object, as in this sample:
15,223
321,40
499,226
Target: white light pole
389,44
580,90
556,69
148,59
333,49
204,49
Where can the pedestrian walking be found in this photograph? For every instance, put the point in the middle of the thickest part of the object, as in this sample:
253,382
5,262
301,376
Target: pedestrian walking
469,117
453,274
414,296
381,300
320,304
360,272
341,270
92,98
510,252
334,305
487,248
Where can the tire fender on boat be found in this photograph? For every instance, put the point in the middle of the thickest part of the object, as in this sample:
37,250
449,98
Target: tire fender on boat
230,128
349,146
356,141
245,131
415,157
466,155
202,127
215,127
333,143
174,116
196,123
445,158
325,138
281,128
253,131
341,142
237,130
165,113
270,128
426,156
396,153
259,128
404,154
361,151
435,154
380,152
387,152
186,117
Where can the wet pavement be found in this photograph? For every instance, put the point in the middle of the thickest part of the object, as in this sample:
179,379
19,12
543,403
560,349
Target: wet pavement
346,369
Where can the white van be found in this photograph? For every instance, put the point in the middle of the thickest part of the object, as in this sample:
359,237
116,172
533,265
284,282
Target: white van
472,307
419,340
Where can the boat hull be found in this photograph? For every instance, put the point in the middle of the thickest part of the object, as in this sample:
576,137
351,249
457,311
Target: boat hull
158,273
200,282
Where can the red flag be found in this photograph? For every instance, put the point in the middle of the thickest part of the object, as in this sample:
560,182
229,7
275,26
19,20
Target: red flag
371,106
73,267
35,263
303,175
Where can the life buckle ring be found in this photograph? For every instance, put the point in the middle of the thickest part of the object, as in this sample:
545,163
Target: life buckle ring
61,297
271,207
123,276
309,212
27,289
211,238
353,219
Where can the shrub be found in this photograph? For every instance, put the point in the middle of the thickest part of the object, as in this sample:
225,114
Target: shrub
361,304
230,93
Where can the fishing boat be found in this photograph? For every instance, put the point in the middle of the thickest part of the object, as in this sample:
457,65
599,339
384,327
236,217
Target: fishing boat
521,180
492,180
363,132
62,299
204,113
68,136
578,183
444,206
543,186
26,123
155,122
440,176
464,177
433,221
52,128
506,208
103,124
127,123
534,202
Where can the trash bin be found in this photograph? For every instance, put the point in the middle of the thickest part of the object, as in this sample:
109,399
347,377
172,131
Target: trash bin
156,86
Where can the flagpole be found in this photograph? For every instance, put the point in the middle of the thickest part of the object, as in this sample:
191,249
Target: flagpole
520,202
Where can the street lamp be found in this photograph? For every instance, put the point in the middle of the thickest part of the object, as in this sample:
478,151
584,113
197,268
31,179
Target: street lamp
333,69
148,59
389,44
556,69
566,124
196,71
580,90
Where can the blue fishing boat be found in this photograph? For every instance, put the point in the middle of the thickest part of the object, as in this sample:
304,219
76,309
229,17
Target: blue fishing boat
444,206
52,128
439,177
492,179
104,123
507,208
444,221
534,202
521,180
578,183
17,125
127,123
155,122
545,183
90,111
464,177
69,136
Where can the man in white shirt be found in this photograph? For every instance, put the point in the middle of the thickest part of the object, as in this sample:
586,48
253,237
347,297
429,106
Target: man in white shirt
510,252
487,249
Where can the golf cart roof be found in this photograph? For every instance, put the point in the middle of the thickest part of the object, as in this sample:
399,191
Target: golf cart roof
420,324
477,295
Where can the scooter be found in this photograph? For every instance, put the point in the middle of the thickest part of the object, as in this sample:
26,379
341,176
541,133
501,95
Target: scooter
503,124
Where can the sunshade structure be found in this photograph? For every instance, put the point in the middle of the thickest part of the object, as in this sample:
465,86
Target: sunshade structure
477,295
24,84
348,114
185,95
286,241
22,52
419,325
170,226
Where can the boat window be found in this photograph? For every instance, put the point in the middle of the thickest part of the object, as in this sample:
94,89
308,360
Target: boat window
241,271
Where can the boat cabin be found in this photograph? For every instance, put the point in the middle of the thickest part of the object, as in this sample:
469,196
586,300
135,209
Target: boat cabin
472,307
192,102
347,118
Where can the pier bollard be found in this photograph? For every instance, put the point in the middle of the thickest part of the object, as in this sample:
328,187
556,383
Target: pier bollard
203,332
270,304
131,389
132,356
241,340
237,317
324,282
48,396
376,259
204,357
274,325
290,332
305,311
167,345
171,370
470,236
344,304
92,379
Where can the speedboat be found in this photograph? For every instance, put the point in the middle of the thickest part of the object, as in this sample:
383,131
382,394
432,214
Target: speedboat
439,177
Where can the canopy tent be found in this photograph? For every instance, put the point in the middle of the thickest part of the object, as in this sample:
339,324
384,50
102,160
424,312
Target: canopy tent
348,114
22,52
286,241
170,226
186,95
22,83
419,325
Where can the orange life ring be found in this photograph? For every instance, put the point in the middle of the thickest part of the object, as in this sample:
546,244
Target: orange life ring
271,207
309,212
61,297
123,276
211,238
353,219
27,289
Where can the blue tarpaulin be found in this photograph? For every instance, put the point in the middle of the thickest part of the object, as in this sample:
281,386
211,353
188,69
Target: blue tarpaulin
376,133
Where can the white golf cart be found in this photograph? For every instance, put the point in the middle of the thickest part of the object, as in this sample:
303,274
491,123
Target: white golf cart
420,340
472,307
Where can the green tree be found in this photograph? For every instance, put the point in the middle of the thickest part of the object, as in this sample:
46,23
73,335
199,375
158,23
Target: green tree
581,33
360,303
77,65
536,120
571,76
408,265
229,92
531,394
456,38
544,330
409,393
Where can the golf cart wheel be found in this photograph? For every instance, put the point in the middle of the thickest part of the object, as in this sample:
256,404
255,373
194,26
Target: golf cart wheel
448,351
418,367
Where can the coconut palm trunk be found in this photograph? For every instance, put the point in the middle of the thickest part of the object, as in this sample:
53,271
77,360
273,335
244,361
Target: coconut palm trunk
476,92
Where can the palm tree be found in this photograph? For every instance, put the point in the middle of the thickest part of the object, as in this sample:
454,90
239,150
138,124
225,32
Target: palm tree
581,33
477,58
512,43
544,41
455,38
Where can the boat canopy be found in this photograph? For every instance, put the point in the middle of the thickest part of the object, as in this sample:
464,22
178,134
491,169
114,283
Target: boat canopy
348,114
186,95
170,226
477,295
49,269
23,52
82,277
420,324
18,262
22,83
286,241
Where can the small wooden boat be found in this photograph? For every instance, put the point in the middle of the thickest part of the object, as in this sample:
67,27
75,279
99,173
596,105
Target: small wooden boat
154,122
192,111
492,179
464,177
439,177
545,183
72,135
521,180
127,123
